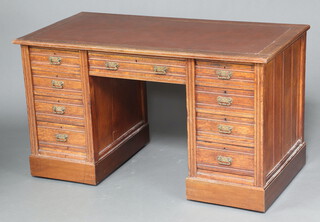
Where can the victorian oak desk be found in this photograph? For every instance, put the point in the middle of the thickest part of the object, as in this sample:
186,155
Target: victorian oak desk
85,88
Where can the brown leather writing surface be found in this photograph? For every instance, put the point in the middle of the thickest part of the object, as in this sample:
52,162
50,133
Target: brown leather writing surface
177,36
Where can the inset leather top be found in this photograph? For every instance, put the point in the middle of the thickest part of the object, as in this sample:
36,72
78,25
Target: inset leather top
188,38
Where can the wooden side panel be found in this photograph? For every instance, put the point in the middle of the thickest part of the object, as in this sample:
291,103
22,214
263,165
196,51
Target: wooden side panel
277,87
118,110
258,126
301,90
287,101
269,116
296,67
122,152
282,108
30,99
289,170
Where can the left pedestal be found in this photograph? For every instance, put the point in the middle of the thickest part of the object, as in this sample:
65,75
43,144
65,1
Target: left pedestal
81,128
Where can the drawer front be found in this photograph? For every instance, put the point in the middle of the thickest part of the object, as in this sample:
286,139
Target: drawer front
225,147
60,134
69,152
57,110
225,161
225,129
58,100
225,101
228,75
54,60
56,74
57,83
137,67
246,67
61,93
238,169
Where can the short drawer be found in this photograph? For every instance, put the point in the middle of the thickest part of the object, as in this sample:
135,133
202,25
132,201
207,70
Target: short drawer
137,67
52,109
61,93
60,134
55,87
225,161
56,74
54,60
57,83
69,152
225,147
246,67
225,129
212,73
225,101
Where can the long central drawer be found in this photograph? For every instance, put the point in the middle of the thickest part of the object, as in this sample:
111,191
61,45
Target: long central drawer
137,67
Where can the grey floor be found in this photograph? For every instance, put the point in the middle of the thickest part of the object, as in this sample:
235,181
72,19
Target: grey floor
148,187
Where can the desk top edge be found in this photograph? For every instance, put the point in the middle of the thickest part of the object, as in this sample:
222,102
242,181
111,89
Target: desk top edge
281,38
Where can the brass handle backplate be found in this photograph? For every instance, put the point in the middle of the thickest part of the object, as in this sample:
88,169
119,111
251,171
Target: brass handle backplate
55,60
60,110
224,101
224,160
160,69
57,84
224,74
61,137
225,129
112,66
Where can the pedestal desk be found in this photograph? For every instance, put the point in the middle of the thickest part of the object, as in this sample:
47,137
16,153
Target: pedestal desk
245,82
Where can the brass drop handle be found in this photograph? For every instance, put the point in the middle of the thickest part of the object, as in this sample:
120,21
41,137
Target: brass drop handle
61,137
224,129
55,60
224,74
57,84
112,66
224,101
224,160
60,110
162,70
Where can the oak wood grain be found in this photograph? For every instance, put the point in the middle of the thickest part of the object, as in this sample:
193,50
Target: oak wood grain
245,89
241,75
226,147
62,170
227,177
241,164
137,67
29,99
282,76
47,83
242,101
59,112
191,117
241,196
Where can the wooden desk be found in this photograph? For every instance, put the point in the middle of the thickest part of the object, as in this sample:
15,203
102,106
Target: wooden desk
85,87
